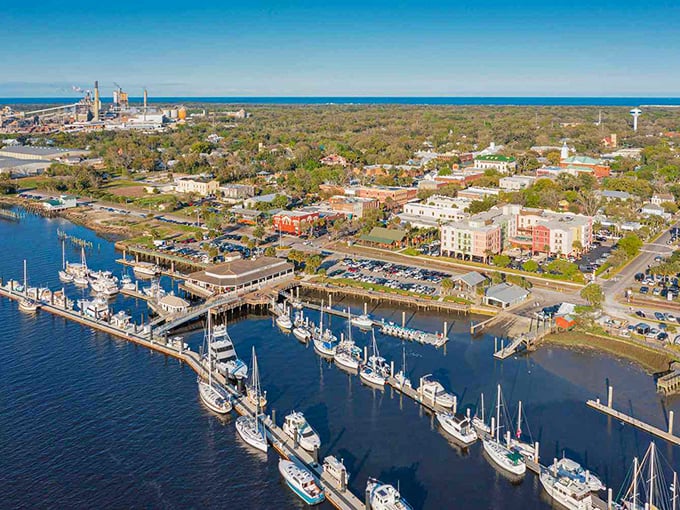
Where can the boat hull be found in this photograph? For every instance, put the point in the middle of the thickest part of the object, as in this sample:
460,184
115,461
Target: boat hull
448,423
310,499
371,378
251,433
498,454
212,400
549,486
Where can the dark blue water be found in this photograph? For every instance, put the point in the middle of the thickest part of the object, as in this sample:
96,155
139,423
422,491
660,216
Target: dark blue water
87,420
349,100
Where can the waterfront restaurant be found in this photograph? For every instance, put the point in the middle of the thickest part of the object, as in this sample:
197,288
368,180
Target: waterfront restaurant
240,276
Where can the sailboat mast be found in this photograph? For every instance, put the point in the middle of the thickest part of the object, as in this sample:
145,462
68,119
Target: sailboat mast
635,476
349,325
63,255
498,413
25,278
651,475
519,420
483,408
674,492
321,319
209,338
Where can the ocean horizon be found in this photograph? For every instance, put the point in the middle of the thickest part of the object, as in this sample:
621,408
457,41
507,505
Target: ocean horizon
379,100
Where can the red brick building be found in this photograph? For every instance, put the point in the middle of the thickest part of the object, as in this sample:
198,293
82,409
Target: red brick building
294,222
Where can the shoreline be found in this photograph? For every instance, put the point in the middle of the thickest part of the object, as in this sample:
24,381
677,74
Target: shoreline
649,359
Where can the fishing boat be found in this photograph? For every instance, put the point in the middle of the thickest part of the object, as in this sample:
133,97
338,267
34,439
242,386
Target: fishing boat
569,468
383,496
566,491
302,334
478,421
301,481
646,486
250,428
283,321
253,390
297,427
459,427
226,360
505,458
432,391
27,304
98,308
64,275
145,269
215,400
401,377
373,372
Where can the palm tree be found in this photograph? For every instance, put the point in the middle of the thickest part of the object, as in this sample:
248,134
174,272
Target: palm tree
447,285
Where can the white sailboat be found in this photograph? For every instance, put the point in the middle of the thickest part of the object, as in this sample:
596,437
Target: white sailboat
298,428
253,391
213,399
500,454
525,449
80,271
373,372
347,354
250,428
478,422
401,376
64,275
27,304
325,342
283,320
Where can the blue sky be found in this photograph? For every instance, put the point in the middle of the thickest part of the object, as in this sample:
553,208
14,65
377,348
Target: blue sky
350,48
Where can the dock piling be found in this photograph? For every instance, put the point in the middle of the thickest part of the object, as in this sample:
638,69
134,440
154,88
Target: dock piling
610,396
609,499
670,422
403,319
446,329
392,369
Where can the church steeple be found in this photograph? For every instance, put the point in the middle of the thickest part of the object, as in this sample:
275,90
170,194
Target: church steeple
564,153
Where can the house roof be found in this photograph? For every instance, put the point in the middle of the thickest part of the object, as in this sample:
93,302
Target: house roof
472,279
506,293
383,235
583,160
495,157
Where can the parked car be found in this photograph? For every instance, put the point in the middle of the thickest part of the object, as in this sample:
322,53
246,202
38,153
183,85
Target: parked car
644,290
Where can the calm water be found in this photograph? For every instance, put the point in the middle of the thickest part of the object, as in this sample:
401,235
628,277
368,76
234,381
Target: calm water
90,421
467,101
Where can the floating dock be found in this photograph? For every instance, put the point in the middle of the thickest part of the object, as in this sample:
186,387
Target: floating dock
609,410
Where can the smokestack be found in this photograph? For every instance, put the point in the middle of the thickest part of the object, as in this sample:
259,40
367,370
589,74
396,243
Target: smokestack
146,98
95,109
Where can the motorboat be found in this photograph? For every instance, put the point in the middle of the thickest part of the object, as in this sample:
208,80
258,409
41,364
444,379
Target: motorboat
297,427
383,496
250,428
65,277
223,352
98,308
566,491
569,468
154,290
129,286
146,269
283,321
458,427
505,458
215,400
362,321
81,281
336,469
28,305
105,287
302,334
301,481
432,391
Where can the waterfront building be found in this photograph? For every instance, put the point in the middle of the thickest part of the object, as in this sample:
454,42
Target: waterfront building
294,222
203,186
504,164
353,207
505,295
240,276
173,304
60,203
474,238
469,282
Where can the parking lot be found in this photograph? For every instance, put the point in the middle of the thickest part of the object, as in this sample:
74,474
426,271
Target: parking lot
394,276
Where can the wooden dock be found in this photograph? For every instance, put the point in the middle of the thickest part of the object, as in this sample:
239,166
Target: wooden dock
341,499
666,435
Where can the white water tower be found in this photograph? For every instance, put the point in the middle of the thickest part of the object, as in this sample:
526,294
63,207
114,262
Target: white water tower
635,112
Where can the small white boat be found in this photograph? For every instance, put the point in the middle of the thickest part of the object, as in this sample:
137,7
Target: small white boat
478,421
81,281
566,491
105,287
98,308
302,334
145,269
129,286
336,469
325,342
302,482
433,392
373,371
65,277
362,321
383,496
572,469
401,377
295,426
28,305
458,427
283,321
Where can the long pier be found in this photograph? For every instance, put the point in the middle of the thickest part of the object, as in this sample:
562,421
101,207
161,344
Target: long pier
609,410
341,498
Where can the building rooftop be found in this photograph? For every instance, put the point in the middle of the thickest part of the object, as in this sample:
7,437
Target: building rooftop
241,271
495,157
472,279
383,235
583,160
506,293
40,151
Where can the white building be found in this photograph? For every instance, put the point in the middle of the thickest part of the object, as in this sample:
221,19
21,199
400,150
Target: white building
61,203
503,164
203,186
435,210
515,182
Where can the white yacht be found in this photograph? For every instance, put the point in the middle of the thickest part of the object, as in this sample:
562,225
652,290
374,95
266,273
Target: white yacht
65,277
226,360
336,469
458,426
301,481
362,321
81,281
567,492
295,425
105,287
283,321
373,372
572,469
500,454
433,392
98,308
145,269
250,428
478,420
382,496
214,399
